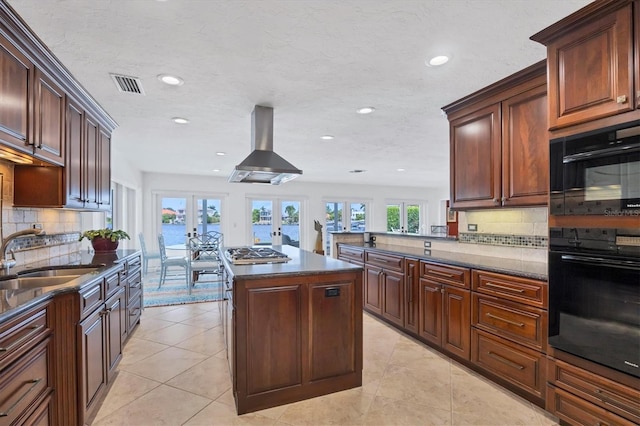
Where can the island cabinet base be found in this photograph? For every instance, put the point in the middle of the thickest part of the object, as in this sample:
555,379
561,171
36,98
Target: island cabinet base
296,337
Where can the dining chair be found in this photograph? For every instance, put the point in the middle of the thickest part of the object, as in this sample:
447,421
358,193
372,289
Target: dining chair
174,261
146,255
204,257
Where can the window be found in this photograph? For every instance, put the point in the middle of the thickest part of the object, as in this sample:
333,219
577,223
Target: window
404,217
181,216
279,227
336,220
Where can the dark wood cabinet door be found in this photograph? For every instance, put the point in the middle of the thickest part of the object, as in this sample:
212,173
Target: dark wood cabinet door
373,289
636,49
93,374
332,349
116,321
273,339
393,297
16,77
90,159
475,159
456,336
49,120
431,311
74,164
591,70
103,171
525,149
412,295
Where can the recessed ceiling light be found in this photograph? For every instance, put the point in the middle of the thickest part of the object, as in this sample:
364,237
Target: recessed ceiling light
401,170
180,120
436,61
220,153
326,137
215,170
171,80
366,110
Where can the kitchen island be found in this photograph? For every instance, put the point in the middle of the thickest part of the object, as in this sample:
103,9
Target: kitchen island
293,330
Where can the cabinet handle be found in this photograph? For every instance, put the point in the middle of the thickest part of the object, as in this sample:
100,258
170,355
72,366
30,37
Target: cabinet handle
410,284
19,400
442,274
505,361
134,312
622,99
609,399
432,290
519,324
503,287
35,329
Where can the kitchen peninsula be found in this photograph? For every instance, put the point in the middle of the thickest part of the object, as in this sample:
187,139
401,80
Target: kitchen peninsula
293,330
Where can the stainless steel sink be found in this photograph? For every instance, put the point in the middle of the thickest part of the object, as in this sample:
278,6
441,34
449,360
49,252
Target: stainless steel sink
59,272
26,283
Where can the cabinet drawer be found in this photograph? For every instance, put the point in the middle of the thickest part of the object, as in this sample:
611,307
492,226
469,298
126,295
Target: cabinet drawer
522,323
133,312
20,334
23,383
111,285
598,390
385,261
523,290
350,254
518,365
135,284
90,298
574,410
451,275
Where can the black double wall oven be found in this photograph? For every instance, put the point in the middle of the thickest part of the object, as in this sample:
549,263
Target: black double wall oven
594,272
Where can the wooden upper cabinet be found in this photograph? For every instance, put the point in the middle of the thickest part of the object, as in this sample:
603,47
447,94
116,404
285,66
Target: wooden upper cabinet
499,143
475,159
91,163
16,77
104,170
49,121
591,63
74,168
525,149
636,26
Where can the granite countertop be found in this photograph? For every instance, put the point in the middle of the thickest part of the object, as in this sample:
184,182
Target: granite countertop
15,301
302,263
399,234
521,268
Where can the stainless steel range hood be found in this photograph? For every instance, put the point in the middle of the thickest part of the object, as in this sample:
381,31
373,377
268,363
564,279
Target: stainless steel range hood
263,165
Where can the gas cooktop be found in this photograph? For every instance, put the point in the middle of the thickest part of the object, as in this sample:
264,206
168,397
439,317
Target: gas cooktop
254,255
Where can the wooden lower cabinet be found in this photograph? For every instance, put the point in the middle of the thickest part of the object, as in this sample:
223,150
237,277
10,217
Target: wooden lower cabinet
92,352
293,338
513,363
372,289
581,396
412,296
456,321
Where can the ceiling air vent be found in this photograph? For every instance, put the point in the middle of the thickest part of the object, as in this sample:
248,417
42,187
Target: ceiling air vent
128,84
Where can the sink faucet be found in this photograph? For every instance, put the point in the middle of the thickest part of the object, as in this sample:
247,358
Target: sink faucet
8,263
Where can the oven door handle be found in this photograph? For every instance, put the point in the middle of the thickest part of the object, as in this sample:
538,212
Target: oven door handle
624,264
601,153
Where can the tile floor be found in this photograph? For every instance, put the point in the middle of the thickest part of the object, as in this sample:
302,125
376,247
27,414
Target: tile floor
174,372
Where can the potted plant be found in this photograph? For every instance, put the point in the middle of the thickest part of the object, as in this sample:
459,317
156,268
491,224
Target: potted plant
104,240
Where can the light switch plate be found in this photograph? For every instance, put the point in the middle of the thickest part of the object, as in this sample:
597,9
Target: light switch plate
427,244
472,227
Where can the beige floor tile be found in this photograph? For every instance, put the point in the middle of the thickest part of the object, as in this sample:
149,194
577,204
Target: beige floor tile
209,342
390,412
209,378
342,408
163,405
166,364
220,414
207,319
407,351
421,384
149,326
227,398
158,311
138,349
544,417
173,334
126,387
273,413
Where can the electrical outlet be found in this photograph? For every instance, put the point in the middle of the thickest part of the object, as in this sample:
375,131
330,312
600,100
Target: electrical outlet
472,227
427,244
36,226
427,252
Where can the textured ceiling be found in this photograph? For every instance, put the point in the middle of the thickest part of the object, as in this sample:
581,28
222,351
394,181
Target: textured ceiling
314,61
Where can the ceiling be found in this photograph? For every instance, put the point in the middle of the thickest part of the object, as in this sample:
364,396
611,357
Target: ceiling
314,61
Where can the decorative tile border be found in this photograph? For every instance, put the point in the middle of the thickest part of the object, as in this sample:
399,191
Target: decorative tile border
529,241
31,242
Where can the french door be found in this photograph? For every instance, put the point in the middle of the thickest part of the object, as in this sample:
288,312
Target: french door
182,216
275,221
336,221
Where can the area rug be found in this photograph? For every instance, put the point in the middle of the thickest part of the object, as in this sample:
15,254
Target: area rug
174,291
